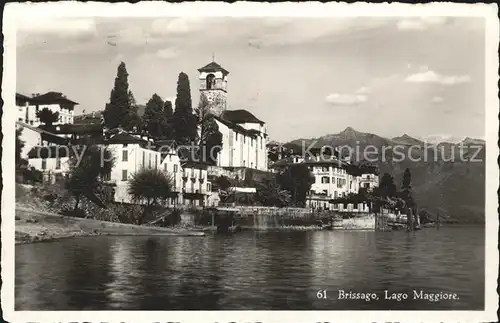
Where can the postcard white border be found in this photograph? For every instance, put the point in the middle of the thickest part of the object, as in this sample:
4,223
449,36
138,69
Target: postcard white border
242,9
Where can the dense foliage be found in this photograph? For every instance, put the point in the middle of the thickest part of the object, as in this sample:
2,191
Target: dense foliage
296,179
150,186
88,166
155,118
210,138
47,117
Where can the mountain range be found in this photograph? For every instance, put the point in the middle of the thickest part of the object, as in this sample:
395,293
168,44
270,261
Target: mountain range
454,187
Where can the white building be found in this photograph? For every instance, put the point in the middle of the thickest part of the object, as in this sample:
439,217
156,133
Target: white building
244,137
27,108
132,153
52,161
333,180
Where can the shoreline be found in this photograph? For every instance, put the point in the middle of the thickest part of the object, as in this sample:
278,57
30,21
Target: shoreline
33,226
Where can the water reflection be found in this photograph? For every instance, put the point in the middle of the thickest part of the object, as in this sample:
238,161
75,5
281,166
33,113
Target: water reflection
251,270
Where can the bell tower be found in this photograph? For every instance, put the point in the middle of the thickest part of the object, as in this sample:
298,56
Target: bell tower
213,86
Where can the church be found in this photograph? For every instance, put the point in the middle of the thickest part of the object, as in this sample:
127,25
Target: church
244,136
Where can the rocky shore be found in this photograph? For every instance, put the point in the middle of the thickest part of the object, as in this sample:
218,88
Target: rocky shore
38,226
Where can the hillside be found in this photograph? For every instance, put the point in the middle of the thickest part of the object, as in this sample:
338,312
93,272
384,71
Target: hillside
454,187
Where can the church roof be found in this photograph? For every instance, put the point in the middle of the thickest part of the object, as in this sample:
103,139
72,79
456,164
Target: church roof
240,116
213,67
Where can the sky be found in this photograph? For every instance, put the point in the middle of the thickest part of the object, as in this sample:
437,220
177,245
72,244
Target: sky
304,77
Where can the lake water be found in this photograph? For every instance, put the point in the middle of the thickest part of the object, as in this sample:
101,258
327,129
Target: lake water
252,270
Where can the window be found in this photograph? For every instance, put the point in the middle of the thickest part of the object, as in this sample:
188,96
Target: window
335,194
156,161
209,187
124,155
324,169
251,142
125,145
210,81
124,175
58,163
165,166
175,168
236,136
44,163
325,180
333,180
244,139
149,160
143,158
261,140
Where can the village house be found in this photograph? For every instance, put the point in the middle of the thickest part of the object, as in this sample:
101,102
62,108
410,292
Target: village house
27,108
334,178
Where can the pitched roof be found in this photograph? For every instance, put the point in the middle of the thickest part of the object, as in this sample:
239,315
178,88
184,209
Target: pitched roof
52,98
73,128
125,138
236,127
213,67
21,99
240,116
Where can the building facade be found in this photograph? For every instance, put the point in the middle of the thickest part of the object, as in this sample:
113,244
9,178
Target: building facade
333,179
27,109
244,137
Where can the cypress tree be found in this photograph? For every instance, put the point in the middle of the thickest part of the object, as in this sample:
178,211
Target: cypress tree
117,111
184,121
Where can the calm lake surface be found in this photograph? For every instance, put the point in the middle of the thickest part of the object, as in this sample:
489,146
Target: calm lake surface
252,270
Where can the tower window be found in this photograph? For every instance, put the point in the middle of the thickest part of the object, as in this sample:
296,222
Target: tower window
210,81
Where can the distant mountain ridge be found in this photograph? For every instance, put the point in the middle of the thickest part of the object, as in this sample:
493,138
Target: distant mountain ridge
454,189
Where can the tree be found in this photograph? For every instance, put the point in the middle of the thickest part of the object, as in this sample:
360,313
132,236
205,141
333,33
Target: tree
210,143
184,121
296,179
167,109
155,120
150,186
19,146
132,119
119,112
47,117
87,172
269,193
387,188
407,196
